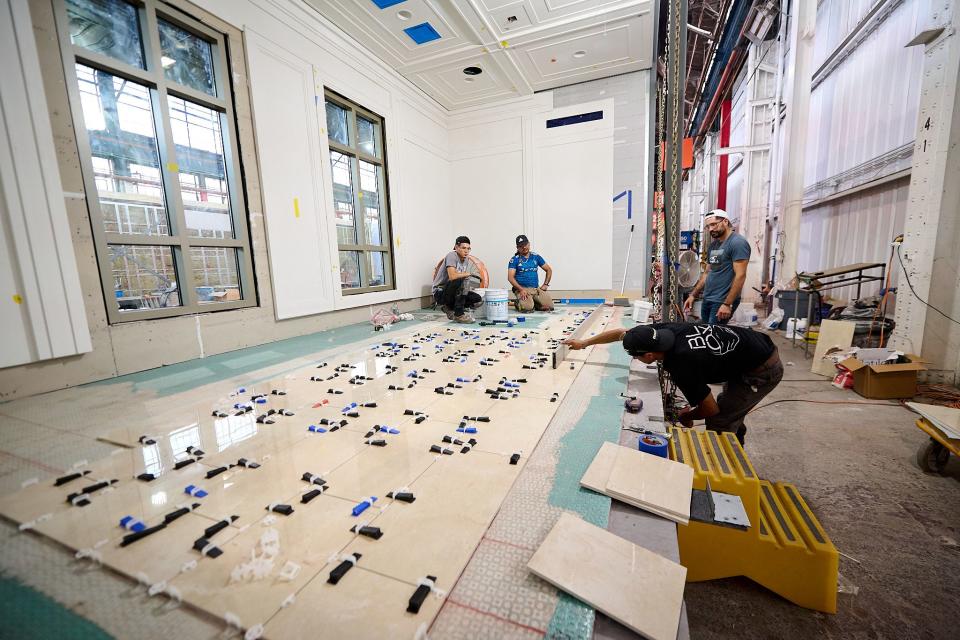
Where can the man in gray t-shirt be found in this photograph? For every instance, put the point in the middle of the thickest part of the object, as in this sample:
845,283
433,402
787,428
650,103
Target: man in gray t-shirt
722,281
448,283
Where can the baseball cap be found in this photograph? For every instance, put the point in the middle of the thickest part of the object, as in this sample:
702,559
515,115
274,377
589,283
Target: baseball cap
522,239
645,339
718,213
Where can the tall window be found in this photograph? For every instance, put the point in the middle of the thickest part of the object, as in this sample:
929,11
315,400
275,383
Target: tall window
358,164
151,101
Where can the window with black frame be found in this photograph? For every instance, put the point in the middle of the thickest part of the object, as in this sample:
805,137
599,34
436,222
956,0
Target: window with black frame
360,203
153,109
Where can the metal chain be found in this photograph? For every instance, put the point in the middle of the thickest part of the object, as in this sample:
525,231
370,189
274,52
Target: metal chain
673,232
657,273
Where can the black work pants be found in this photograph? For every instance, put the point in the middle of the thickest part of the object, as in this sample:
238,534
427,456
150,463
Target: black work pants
452,296
742,394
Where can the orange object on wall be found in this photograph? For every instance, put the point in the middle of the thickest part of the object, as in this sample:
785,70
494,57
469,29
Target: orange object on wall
686,154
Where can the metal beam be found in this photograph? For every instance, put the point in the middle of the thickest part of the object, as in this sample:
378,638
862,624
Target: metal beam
745,149
802,26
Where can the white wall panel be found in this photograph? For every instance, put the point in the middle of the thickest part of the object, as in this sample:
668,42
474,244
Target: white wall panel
41,306
285,114
573,186
630,93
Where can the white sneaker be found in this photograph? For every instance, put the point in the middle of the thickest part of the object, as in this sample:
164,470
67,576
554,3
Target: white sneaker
466,318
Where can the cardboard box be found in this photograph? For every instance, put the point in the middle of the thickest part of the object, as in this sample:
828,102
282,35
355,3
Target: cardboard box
885,381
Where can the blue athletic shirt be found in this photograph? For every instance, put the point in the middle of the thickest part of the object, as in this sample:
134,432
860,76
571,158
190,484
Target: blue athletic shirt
526,269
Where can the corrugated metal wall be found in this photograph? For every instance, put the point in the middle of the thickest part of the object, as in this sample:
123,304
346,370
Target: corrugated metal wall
858,228
867,106
861,113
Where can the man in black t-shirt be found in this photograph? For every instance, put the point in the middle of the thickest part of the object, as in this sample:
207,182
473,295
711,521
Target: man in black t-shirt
695,355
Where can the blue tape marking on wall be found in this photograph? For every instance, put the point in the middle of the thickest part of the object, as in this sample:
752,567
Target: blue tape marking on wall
629,194
384,4
422,33
577,119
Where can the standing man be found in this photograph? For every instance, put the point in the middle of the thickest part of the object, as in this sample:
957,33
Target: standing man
448,284
721,283
525,279
695,355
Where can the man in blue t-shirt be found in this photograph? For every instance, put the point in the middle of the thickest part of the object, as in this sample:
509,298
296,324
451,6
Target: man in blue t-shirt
525,279
726,271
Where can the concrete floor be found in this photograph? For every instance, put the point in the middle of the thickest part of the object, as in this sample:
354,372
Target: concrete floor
897,528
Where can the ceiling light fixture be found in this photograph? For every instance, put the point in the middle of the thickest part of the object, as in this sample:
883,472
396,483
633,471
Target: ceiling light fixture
404,15
579,54
472,71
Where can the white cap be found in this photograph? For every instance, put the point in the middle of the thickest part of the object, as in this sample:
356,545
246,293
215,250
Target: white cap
717,213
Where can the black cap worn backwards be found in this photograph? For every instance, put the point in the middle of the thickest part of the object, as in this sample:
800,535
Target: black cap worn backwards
522,240
644,339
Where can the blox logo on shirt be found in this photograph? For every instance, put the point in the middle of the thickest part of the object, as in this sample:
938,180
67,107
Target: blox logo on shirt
717,339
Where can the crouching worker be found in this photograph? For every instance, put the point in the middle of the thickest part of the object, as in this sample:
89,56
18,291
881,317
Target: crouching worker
449,284
525,279
695,355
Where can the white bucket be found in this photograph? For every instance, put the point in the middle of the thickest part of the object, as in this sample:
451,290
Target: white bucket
496,304
479,311
641,310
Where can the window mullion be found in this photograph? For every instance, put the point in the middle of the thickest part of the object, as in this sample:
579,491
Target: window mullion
169,169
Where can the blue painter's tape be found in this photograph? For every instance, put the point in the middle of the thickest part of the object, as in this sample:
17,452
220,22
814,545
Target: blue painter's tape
653,444
386,4
581,301
422,33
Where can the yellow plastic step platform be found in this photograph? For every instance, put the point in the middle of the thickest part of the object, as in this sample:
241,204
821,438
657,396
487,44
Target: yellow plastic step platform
785,549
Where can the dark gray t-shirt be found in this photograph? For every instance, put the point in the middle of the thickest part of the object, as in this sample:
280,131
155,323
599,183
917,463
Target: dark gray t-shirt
720,257
451,260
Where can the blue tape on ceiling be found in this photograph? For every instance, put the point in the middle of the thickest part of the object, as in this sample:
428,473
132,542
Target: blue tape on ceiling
422,33
577,119
384,4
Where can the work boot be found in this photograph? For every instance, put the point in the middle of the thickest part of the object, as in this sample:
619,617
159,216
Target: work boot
447,310
465,318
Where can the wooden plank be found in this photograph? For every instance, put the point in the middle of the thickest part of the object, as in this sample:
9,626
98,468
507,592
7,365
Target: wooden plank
833,333
634,586
653,483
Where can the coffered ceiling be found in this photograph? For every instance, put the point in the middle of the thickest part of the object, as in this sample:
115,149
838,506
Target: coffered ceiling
518,46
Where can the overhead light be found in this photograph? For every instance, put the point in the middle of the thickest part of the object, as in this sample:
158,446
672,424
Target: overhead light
167,62
579,54
472,71
404,15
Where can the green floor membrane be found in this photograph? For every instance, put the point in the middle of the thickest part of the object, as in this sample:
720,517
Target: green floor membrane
26,614
600,423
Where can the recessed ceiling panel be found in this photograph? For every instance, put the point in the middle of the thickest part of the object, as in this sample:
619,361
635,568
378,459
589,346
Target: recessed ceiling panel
520,45
590,53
